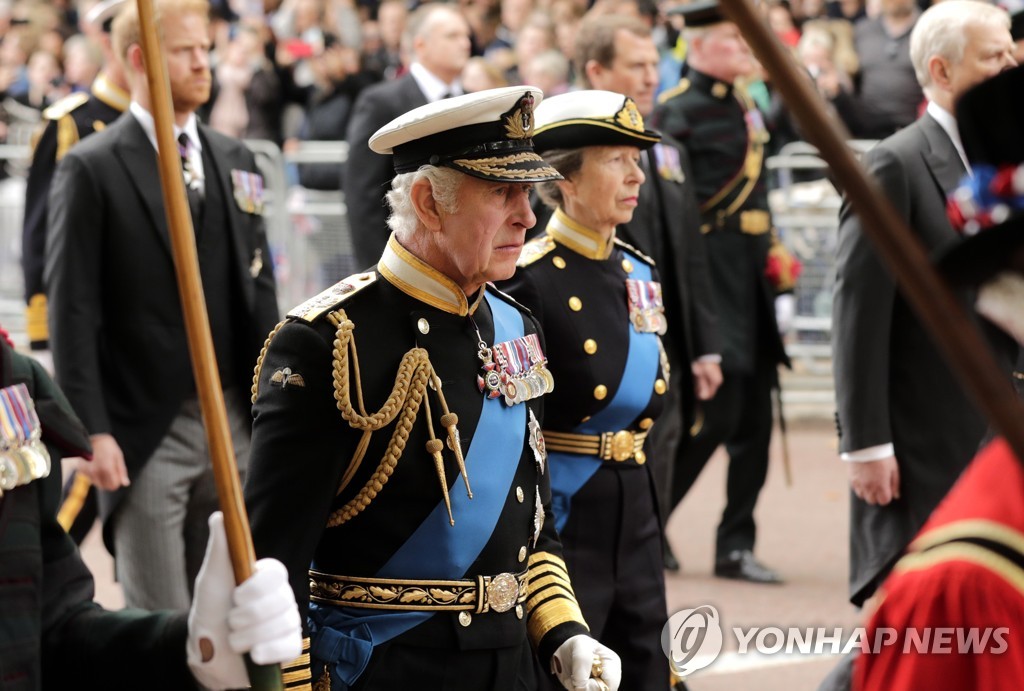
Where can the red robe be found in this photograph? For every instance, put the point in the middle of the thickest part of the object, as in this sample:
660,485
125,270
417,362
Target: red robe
959,585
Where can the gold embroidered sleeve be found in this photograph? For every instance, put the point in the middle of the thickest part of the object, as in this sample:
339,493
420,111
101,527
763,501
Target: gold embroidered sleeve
295,674
550,600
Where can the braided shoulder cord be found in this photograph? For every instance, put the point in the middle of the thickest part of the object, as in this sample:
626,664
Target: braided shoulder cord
414,373
259,361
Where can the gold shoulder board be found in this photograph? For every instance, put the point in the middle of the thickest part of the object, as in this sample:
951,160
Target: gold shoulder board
535,249
326,301
66,105
680,88
634,250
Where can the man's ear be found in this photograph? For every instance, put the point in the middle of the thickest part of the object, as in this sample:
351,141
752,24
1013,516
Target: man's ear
938,70
593,69
424,204
134,58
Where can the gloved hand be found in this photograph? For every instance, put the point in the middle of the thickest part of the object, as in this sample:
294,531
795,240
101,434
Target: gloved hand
580,658
785,310
257,617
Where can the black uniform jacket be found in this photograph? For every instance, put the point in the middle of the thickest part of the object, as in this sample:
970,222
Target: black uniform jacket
724,135
52,635
67,121
302,473
116,321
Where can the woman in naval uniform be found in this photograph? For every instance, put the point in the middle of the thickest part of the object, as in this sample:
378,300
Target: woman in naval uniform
599,303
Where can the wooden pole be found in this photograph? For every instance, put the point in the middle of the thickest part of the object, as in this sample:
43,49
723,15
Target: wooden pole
197,325
900,250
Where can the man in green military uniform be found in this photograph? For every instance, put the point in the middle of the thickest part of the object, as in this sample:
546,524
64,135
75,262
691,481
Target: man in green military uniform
67,122
722,130
404,483
53,635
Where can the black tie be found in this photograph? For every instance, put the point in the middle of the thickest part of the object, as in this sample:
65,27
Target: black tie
193,185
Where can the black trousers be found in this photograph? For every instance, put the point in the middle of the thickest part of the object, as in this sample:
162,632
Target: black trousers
612,549
397,665
739,416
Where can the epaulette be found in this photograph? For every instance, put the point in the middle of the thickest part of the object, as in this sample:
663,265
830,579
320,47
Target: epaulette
634,250
310,310
535,249
681,88
66,105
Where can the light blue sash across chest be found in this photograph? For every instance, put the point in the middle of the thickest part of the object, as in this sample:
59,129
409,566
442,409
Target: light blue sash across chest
569,472
344,637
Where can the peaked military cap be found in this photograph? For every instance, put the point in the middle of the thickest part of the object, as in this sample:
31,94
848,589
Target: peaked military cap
485,134
989,117
702,13
591,118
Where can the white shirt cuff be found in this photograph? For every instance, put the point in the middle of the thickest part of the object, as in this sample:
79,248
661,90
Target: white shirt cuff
872,453
711,357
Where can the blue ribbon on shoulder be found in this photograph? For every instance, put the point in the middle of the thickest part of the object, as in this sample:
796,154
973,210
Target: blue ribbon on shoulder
436,549
569,472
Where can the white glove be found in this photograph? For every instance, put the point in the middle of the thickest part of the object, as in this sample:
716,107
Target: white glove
263,619
785,310
579,657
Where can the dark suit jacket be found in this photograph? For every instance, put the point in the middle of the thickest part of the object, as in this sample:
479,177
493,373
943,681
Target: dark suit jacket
367,175
892,384
116,322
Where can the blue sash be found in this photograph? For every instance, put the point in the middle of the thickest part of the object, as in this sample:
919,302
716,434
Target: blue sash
436,550
569,472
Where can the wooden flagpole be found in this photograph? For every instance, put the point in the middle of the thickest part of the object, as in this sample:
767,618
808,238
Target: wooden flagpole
197,326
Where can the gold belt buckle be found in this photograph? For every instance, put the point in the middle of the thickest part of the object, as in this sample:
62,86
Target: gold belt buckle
622,446
502,592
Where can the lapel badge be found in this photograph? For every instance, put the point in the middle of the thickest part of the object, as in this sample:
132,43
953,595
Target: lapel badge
669,166
247,188
257,263
284,376
540,451
646,307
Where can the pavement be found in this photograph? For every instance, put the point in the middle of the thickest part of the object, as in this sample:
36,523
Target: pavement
803,531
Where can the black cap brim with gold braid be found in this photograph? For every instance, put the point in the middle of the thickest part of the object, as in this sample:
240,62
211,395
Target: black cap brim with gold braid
591,118
485,134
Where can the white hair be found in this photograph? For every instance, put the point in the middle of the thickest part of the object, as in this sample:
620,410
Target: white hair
444,185
942,31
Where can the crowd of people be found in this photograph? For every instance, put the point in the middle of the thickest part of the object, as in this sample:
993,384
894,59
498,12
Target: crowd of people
462,458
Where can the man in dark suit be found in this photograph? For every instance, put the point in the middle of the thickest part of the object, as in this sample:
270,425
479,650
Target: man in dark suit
722,130
907,429
117,329
617,53
438,38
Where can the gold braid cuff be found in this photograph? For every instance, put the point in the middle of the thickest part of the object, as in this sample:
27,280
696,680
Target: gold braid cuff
550,600
296,674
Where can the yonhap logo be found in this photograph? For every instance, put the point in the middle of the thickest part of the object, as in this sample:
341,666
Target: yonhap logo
692,639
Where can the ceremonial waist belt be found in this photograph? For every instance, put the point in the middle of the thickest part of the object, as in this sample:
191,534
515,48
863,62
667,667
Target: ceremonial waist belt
478,595
751,222
611,446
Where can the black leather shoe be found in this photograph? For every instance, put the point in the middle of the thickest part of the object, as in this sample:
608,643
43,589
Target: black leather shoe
669,559
741,565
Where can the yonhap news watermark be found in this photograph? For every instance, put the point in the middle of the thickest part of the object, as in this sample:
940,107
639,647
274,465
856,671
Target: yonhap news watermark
693,638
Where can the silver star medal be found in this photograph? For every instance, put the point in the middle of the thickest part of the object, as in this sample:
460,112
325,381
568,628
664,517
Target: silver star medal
540,452
538,518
